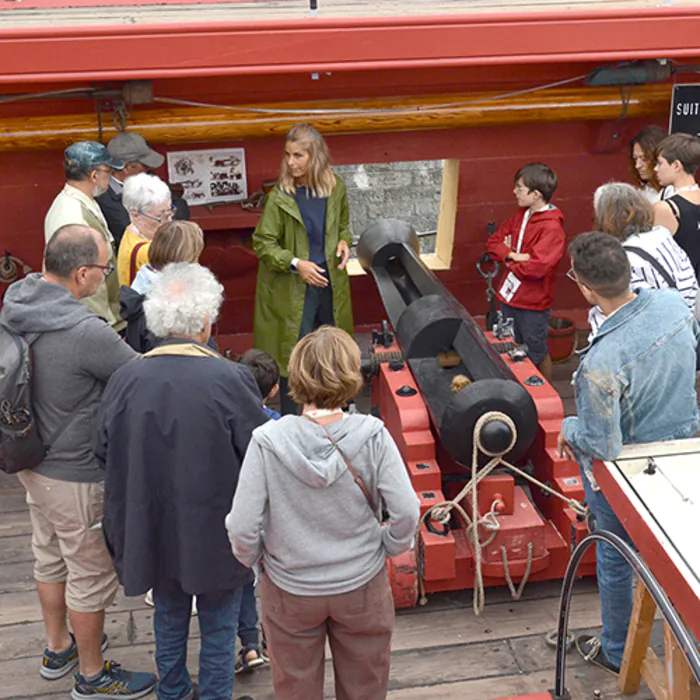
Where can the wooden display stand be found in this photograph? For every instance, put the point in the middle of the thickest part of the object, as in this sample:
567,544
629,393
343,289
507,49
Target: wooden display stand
675,681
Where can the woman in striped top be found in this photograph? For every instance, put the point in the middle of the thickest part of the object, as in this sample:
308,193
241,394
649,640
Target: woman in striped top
656,260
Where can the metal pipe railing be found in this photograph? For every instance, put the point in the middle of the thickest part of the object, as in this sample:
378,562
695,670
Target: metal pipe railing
669,613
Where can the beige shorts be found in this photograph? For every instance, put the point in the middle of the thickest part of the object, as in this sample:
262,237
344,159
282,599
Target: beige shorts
68,542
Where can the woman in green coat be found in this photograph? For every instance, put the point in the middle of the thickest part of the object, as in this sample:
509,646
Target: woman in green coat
303,243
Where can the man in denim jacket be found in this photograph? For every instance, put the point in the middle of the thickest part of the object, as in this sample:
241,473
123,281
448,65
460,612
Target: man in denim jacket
635,384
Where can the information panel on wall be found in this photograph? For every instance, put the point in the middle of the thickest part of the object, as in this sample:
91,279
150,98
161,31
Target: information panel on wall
685,110
209,176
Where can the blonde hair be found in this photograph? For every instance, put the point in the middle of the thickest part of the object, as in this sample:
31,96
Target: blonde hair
320,178
176,241
324,368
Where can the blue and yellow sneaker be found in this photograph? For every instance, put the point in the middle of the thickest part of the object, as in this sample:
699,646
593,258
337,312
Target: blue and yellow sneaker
56,664
113,682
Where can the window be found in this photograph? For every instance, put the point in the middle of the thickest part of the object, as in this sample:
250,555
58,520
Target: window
422,193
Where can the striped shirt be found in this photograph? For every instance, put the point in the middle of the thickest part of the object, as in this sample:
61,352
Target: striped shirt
660,244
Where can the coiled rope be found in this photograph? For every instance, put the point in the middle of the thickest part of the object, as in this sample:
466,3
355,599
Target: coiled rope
441,513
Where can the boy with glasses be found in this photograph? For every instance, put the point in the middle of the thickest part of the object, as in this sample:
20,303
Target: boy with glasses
529,246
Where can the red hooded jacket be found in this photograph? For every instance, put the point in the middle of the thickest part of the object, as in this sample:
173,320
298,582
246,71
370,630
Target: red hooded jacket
545,241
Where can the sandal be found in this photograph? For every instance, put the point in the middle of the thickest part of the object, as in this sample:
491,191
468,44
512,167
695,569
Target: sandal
249,659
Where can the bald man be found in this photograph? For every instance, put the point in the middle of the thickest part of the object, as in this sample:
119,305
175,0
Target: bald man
74,352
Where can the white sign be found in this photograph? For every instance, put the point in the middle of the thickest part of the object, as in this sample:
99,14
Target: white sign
216,175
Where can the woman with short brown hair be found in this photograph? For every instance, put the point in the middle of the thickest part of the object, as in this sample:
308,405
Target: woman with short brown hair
656,260
173,242
309,503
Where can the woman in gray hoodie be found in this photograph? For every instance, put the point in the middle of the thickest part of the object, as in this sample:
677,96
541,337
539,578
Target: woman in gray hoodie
309,504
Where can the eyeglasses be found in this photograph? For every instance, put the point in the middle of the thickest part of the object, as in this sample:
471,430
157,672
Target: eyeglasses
107,269
106,170
168,216
572,275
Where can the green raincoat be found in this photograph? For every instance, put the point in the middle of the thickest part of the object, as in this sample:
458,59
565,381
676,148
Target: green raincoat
279,237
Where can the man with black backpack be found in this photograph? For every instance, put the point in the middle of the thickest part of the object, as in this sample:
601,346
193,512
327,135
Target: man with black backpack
73,354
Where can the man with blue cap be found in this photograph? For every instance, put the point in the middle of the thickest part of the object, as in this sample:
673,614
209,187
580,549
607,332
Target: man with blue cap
88,167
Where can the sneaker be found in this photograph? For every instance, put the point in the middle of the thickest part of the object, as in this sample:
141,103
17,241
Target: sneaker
56,664
591,650
113,682
249,659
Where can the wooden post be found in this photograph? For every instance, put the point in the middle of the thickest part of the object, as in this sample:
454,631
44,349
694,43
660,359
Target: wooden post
637,640
680,680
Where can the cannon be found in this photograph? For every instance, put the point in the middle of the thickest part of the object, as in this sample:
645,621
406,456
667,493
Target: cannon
476,424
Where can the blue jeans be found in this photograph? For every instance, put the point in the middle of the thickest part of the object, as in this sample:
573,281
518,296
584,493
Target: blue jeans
248,631
614,576
218,622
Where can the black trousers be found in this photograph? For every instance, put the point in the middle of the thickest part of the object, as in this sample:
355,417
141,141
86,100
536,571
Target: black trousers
318,311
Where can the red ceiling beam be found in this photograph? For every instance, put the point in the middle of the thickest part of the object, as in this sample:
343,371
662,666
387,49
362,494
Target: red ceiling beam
88,53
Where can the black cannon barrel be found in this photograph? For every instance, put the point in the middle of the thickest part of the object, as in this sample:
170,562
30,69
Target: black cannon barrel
427,321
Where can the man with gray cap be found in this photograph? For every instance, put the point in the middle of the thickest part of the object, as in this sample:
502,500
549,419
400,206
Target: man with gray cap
88,166
138,157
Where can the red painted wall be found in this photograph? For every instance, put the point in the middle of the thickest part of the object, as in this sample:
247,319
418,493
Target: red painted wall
489,157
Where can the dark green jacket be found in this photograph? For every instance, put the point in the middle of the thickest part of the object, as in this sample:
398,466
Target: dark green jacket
279,297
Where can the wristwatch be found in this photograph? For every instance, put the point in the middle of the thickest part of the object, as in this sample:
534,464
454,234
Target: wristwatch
293,265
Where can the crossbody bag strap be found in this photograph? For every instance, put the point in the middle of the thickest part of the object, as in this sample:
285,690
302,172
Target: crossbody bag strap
132,263
357,478
645,255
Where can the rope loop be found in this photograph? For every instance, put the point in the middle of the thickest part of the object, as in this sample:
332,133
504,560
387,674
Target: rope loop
487,418
441,513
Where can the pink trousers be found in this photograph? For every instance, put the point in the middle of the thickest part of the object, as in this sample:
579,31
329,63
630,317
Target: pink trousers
358,626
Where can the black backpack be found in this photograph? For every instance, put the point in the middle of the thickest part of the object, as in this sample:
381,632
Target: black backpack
21,446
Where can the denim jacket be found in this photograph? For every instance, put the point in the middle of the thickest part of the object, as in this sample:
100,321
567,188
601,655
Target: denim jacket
636,381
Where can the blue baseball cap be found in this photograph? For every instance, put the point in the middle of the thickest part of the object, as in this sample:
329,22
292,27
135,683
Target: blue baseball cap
89,154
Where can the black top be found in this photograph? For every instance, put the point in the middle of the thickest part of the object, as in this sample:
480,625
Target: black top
313,214
172,432
688,234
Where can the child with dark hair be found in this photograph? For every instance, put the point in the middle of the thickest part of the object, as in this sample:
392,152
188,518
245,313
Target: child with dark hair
267,374
529,245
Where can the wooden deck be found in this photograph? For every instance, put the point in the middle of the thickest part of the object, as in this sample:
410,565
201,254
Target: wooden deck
48,13
439,651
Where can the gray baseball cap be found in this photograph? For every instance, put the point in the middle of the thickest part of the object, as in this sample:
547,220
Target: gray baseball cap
89,154
131,148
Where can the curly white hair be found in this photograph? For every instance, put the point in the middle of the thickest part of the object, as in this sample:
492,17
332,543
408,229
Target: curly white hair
182,299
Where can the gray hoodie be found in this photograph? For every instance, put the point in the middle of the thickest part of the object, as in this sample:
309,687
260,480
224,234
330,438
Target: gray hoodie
297,505
73,358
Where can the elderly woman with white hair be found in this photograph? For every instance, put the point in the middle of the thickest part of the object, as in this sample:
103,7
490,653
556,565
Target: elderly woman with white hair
656,260
172,431
149,203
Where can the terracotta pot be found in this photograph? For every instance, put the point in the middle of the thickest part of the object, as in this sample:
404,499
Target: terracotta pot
561,338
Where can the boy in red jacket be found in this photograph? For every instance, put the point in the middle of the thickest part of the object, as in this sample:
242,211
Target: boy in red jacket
530,245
